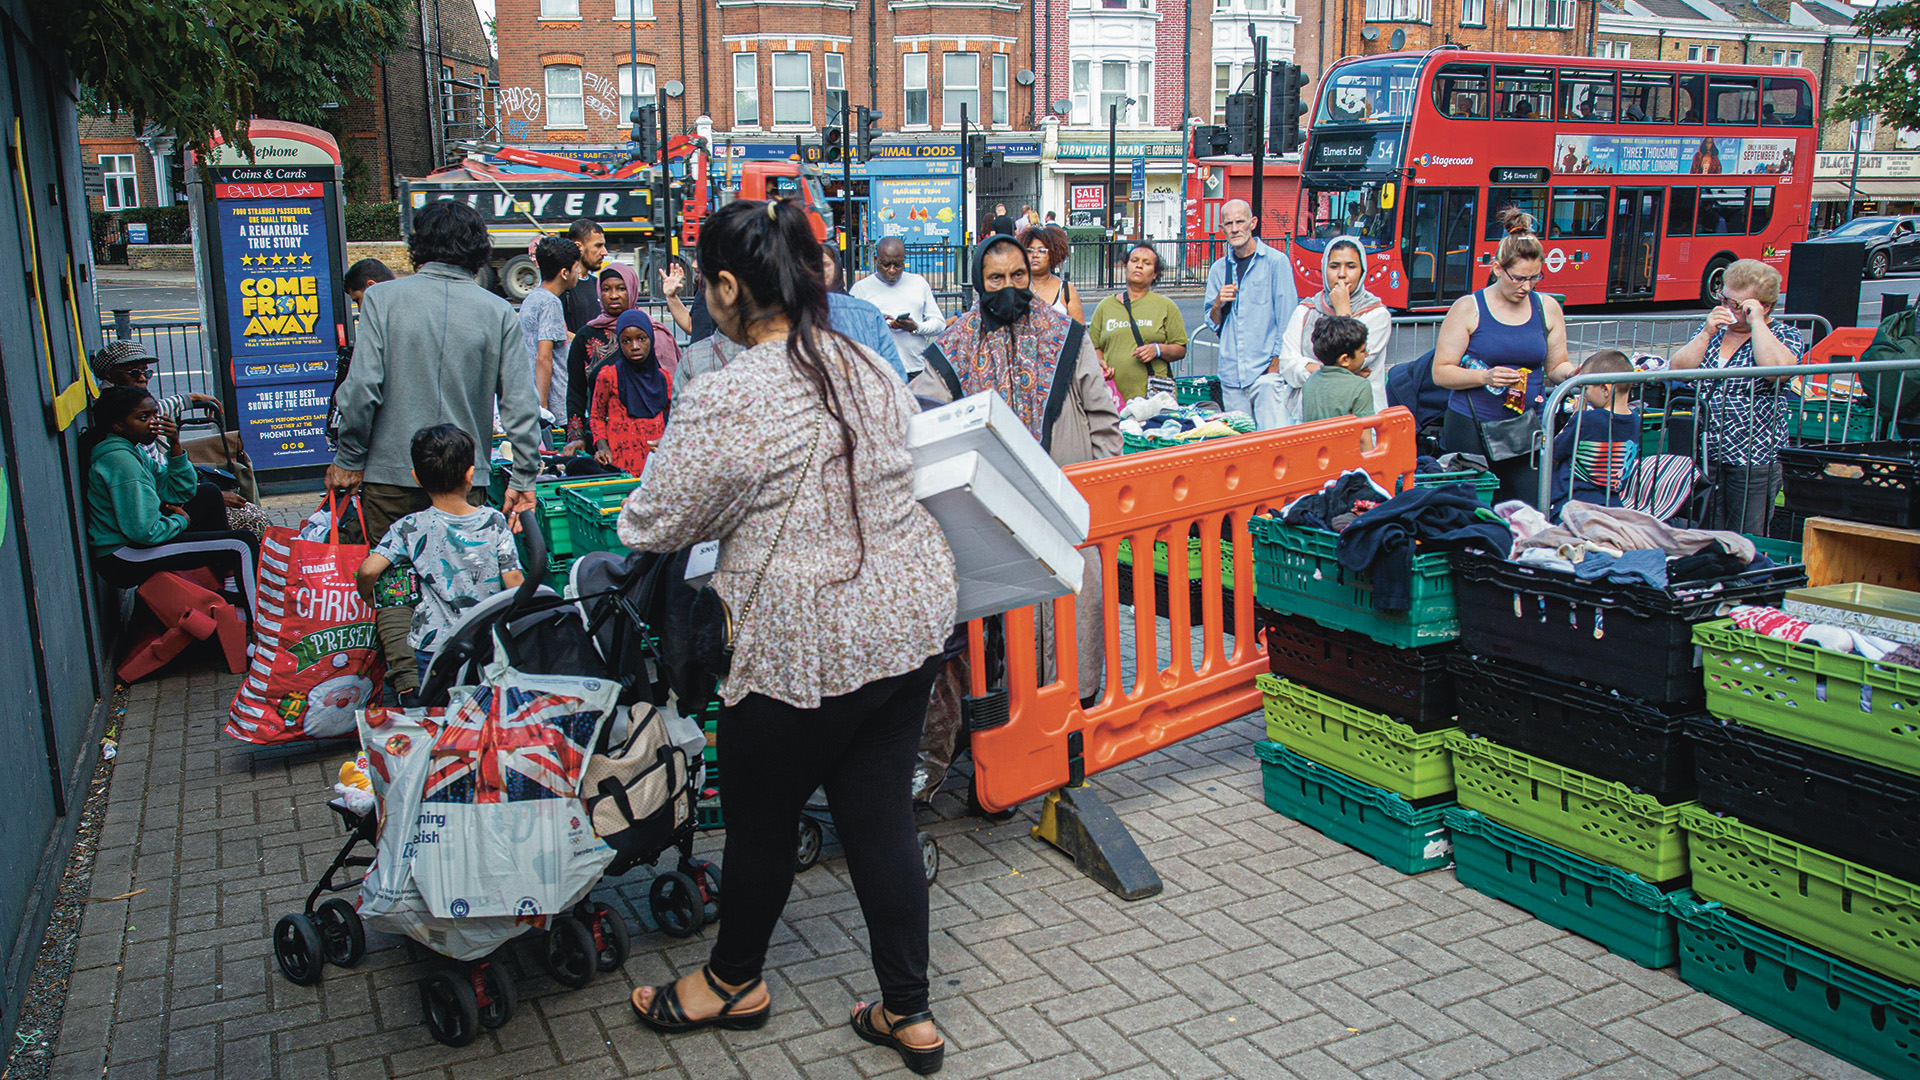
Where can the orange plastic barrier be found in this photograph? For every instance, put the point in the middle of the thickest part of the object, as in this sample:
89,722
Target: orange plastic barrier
1843,345
1049,740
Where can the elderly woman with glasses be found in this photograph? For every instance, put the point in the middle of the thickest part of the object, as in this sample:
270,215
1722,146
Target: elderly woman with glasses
1746,418
1497,350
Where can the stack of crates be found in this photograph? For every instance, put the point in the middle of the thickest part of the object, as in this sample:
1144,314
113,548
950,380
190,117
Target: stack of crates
592,509
1360,704
1804,846
1573,762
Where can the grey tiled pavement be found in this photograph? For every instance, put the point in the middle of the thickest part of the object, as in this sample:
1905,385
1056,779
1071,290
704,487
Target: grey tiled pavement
1273,952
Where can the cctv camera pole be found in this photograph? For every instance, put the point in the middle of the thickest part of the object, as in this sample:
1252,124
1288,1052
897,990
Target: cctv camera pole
966,205
1259,123
1113,124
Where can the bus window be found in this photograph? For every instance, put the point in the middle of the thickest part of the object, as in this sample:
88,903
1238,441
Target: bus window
1531,199
1376,91
1693,98
1733,101
1723,211
1586,95
1578,213
1762,210
1646,99
1356,210
1523,93
1460,91
1786,103
1680,212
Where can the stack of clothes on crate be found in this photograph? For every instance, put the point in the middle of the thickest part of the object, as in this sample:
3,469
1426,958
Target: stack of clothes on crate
1611,543
1380,531
1160,417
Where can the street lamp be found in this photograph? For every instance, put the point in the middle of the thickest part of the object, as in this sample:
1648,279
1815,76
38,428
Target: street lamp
1113,125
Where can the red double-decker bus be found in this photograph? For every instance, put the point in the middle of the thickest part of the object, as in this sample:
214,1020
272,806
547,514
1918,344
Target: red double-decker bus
1645,179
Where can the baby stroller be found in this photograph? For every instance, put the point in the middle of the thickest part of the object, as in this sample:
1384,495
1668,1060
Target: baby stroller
494,758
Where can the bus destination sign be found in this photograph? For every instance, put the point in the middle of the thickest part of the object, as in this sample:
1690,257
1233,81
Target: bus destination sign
1517,174
1373,149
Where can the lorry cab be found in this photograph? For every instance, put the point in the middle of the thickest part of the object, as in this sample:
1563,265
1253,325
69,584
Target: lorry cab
784,180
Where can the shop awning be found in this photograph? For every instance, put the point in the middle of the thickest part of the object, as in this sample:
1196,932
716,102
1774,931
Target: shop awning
1836,190
1829,191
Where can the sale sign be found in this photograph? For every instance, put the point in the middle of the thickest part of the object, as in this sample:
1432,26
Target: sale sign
1087,196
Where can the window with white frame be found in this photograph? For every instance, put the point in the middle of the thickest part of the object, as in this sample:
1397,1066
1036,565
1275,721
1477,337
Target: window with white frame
1113,89
1223,78
1788,57
1865,66
913,82
1405,10
1256,7
1473,12
959,85
123,182
1083,91
836,84
1002,92
629,11
1703,53
628,91
565,106
559,9
1540,14
1622,50
746,89
792,88
449,101
1143,95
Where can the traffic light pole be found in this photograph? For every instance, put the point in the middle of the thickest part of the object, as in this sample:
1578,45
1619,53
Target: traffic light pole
847,138
1259,124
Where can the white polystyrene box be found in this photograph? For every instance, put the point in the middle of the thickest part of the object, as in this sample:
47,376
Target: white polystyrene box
986,424
1006,553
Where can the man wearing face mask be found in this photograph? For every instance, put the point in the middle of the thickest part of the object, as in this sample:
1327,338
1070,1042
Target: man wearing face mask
1040,362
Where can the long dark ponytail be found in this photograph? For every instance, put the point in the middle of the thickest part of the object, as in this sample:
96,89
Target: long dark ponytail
770,249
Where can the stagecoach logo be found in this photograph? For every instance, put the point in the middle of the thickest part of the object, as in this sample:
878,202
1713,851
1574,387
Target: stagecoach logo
1556,261
1430,160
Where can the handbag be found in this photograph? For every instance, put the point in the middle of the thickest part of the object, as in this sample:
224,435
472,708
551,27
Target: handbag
712,629
1513,437
637,794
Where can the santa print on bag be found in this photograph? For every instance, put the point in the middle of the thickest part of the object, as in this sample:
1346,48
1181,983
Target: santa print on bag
510,746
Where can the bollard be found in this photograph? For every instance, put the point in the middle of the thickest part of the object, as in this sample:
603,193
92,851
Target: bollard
122,323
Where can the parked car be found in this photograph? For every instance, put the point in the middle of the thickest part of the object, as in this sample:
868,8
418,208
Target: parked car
1893,242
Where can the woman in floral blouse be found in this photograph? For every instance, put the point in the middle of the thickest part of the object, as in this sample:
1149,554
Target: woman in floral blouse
839,616
631,397
1746,418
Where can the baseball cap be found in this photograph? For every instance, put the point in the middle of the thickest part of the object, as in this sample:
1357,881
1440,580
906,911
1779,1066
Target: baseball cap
117,355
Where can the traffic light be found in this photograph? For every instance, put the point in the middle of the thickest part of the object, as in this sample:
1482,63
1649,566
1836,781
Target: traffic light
646,132
869,130
976,152
1287,104
833,144
1240,123
1209,140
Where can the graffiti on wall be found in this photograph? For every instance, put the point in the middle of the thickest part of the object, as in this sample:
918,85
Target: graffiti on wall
520,101
601,95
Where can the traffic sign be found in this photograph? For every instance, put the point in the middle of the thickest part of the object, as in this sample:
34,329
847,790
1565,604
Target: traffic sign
1139,188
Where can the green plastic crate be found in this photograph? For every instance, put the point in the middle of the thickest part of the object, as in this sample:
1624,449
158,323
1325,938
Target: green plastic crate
1485,484
1653,433
1782,552
1607,822
557,572
1194,389
1371,747
1600,903
1193,559
1295,573
1836,701
1368,819
1847,1011
1862,915
1830,421
594,509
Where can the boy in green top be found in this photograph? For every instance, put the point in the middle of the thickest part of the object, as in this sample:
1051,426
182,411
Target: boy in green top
1139,332
1338,385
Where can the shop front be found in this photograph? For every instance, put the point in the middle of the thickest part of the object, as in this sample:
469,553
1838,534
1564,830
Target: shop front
1884,182
1139,187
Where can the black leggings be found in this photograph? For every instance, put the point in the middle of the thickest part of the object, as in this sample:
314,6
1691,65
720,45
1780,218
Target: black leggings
861,747
207,544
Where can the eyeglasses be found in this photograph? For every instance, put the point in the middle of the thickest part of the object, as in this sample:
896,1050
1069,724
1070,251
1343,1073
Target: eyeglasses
1530,279
140,374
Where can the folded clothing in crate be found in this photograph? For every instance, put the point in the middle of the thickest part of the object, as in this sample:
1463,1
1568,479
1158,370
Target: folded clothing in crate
1870,918
1859,812
1612,737
1371,820
1379,532
1368,746
1295,571
1877,483
1839,702
1842,1009
1607,822
1632,639
1603,904
1413,686
1776,623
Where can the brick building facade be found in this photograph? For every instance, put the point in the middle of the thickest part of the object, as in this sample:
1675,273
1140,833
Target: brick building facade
1366,27
136,173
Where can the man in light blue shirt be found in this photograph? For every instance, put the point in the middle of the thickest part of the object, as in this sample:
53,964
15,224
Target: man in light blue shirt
860,320
1250,298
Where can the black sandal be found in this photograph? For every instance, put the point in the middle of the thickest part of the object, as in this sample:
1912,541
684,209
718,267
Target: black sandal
923,1060
664,1014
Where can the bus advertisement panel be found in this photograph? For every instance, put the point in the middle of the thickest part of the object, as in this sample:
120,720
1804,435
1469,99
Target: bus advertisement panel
1665,155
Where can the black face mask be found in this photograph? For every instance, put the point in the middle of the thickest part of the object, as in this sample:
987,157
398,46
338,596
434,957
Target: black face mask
1003,307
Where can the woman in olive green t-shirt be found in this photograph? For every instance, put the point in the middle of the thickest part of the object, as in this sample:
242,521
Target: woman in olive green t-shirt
1138,332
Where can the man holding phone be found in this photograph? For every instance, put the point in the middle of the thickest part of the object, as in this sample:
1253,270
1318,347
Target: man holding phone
905,298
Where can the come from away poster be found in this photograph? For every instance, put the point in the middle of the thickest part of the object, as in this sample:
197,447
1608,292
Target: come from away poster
279,279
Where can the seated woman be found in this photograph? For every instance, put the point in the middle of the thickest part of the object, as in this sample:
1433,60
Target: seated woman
632,395
143,517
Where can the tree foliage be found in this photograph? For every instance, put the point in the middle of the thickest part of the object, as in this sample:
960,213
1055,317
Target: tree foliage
1893,93
202,69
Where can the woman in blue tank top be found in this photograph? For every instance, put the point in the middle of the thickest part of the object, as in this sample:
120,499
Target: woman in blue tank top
1498,349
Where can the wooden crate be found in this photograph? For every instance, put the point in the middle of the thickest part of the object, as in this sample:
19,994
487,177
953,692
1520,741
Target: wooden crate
1840,552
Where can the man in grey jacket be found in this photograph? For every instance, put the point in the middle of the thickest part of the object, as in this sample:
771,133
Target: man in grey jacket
433,348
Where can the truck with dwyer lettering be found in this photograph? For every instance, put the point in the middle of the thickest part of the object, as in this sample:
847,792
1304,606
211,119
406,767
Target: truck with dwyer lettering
649,211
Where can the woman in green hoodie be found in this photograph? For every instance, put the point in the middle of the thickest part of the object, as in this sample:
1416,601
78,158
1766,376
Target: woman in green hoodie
142,517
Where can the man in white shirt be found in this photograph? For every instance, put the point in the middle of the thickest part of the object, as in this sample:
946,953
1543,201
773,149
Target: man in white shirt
913,315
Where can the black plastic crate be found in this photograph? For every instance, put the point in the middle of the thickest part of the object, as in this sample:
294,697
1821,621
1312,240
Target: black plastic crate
1847,808
1614,738
1414,686
1162,606
1785,524
1873,482
1633,639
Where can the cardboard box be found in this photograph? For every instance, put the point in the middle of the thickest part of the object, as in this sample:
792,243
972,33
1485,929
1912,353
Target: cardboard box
985,424
1006,553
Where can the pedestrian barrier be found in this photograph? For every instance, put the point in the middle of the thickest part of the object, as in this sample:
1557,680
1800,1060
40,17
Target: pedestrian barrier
1047,739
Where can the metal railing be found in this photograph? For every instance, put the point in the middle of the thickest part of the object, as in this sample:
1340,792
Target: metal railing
181,362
